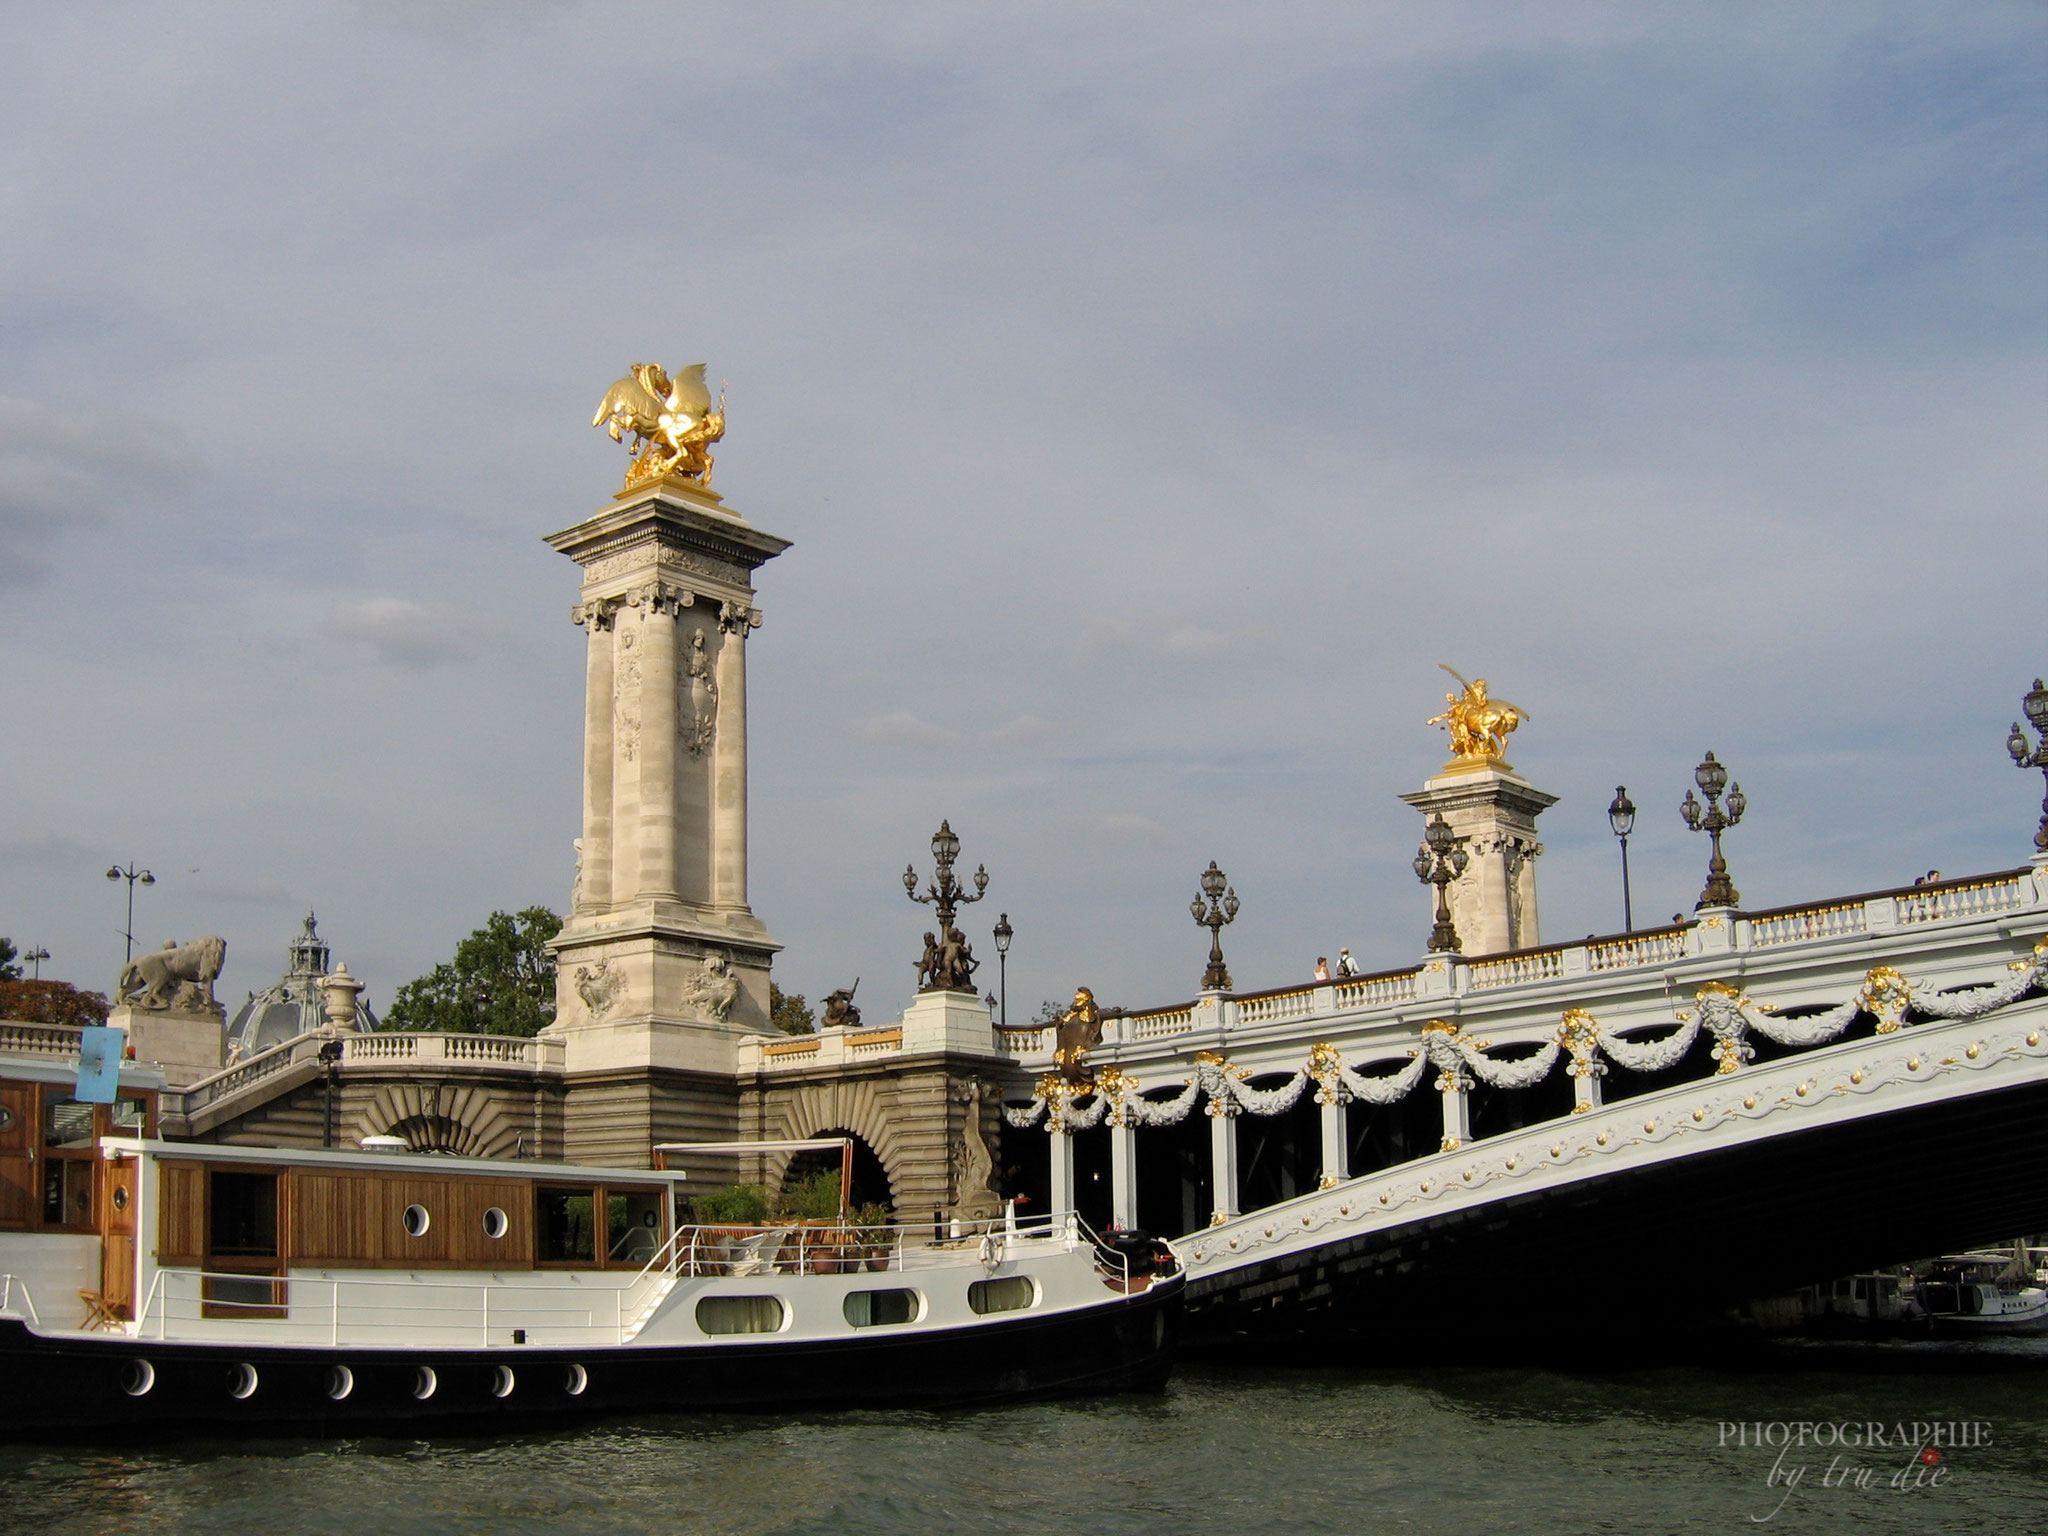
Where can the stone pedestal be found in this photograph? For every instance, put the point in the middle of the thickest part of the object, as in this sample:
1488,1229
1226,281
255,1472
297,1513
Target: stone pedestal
187,1045
1494,810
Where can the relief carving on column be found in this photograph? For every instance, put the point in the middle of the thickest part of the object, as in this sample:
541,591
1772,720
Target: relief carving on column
600,987
697,700
973,1167
626,696
713,988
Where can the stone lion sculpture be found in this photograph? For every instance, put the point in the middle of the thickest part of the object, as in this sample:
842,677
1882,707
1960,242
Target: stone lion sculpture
176,976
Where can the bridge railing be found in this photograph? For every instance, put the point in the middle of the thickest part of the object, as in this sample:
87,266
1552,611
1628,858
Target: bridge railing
1562,967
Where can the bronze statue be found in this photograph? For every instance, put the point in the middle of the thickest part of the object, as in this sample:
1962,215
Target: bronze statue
1080,1031
840,1012
928,966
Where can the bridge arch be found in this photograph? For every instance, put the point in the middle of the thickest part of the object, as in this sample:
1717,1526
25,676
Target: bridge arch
858,1109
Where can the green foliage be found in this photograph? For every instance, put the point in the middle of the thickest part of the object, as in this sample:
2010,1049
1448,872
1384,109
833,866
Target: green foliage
501,982
739,1205
51,1002
814,1197
788,1012
9,970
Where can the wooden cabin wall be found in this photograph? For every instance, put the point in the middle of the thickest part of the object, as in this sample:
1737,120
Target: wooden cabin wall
181,1214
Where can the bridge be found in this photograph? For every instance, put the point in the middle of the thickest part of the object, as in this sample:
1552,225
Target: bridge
1625,1131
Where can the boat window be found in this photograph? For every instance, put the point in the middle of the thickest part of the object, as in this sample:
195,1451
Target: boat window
496,1223
128,1116
563,1230
416,1221
67,1192
1012,1293
66,1123
880,1309
741,1314
633,1226
241,1214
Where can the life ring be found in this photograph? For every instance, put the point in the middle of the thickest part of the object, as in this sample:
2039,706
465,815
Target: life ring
991,1252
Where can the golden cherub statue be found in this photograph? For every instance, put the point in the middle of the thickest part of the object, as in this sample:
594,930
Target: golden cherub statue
673,422
1479,726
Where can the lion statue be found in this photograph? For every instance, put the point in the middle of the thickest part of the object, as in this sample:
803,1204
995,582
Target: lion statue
176,976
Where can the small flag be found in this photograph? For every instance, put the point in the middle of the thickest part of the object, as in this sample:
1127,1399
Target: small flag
100,1049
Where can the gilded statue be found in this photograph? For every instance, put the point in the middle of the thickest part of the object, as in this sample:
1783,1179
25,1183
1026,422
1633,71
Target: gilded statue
1080,1031
1479,725
673,421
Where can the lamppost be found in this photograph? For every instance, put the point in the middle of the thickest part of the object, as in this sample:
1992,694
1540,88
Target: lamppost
330,1066
1439,861
1004,933
952,962
2036,706
131,874
1219,909
1712,778
1622,817
36,957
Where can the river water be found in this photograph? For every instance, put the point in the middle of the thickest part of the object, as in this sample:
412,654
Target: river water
1236,1449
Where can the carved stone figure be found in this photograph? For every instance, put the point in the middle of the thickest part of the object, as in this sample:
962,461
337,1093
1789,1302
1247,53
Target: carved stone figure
840,1012
672,421
974,1197
714,988
1080,1031
175,977
1479,726
599,986
698,715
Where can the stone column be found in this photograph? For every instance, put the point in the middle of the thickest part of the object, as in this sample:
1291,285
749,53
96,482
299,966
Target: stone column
1493,810
1336,1146
1223,1159
594,870
657,744
729,762
1123,1176
1061,1147
1453,1084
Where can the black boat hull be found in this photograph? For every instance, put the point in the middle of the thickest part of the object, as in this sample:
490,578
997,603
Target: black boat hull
120,1387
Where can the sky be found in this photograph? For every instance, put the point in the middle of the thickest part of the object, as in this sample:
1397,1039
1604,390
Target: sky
1155,395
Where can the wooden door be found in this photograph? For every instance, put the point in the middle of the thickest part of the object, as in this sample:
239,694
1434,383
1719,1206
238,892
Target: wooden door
117,1234
19,1195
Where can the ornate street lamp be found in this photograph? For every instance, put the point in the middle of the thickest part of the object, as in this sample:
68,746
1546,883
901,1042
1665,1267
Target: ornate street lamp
131,874
1219,908
948,964
1712,778
1439,861
1622,817
1004,933
36,957
2036,706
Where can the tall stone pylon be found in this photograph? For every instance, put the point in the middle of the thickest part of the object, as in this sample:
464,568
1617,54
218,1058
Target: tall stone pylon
661,964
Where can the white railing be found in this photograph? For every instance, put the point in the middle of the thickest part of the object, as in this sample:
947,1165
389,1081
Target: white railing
1283,1005
1022,1040
1636,949
1514,970
1374,991
1979,898
15,1300
874,1043
486,1051
1153,1026
27,1039
1821,922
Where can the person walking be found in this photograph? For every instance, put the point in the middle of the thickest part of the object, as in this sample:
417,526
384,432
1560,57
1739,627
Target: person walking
1346,966
1322,967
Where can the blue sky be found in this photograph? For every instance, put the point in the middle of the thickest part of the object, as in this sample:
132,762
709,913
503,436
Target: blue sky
1155,396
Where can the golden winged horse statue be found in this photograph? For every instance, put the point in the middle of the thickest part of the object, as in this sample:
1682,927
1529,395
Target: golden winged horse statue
673,421
1479,726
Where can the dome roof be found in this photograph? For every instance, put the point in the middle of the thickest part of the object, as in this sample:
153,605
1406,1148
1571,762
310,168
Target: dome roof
295,1006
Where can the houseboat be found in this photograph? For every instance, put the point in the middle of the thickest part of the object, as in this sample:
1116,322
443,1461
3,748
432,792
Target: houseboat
177,1287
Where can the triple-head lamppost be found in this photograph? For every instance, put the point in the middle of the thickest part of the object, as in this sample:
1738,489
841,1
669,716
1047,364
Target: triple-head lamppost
949,962
1712,778
1216,906
1439,861
131,874
2036,706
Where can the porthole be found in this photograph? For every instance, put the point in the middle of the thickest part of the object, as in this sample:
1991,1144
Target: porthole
424,1381
120,1197
340,1382
496,1223
502,1381
742,1314
880,1309
137,1377
6,1118
1012,1293
416,1221
574,1380
242,1382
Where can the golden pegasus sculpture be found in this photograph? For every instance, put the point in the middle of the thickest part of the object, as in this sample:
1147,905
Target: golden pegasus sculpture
673,421
1479,726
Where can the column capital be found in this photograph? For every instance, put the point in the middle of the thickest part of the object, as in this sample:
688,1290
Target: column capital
599,613
738,618
660,597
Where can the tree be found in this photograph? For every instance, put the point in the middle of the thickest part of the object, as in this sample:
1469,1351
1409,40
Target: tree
501,982
9,969
50,1002
788,1012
